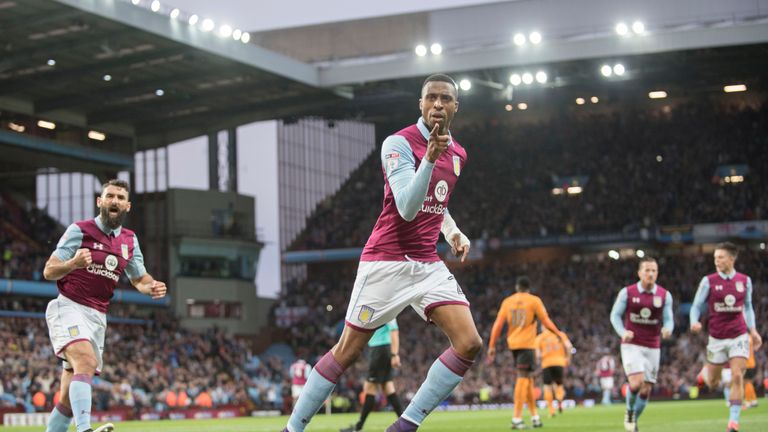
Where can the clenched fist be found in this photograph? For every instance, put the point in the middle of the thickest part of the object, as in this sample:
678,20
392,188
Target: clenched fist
82,259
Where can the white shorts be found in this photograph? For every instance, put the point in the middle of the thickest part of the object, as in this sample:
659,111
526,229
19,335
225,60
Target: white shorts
296,390
639,359
606,383
719,351
70,322
384,288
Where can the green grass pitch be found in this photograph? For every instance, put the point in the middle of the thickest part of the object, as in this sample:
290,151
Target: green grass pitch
689,416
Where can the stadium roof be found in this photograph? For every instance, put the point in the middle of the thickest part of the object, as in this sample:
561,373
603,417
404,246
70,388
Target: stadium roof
122,70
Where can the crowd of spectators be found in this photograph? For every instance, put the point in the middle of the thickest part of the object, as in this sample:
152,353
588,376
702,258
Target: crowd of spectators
645,169
153,366
25,232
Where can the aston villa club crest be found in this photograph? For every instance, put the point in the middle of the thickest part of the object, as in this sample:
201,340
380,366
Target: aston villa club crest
366,314
457,165
740,286
124,251
74,331
657,301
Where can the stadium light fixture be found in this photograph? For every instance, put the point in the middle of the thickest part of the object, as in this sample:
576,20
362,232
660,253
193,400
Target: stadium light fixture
522,106
622,29
107,77
659,158
225,31
159,92
508,107
618,69
245,37
535,38
614,254
421,50
436,49
574,190
638,27
640,253
155,6
465,84
329,308
236,34
46,124
541,77
594,99
657,94
515,79
98,136
175,13
733,88
193,19
606,71
580,101
527,78
557,191
51,62
762,246
208,25
16,127
519,39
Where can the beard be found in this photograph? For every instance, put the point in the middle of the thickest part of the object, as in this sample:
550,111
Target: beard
112,222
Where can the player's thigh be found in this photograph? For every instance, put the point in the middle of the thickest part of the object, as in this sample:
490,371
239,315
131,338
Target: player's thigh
652,357
437,287
738,348
76,331
350,345
606,383
381,291
455,320
738,366
632,359
718,351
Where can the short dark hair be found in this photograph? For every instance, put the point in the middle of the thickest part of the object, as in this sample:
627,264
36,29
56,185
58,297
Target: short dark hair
728,247
439,77
117,182
646,259
522,283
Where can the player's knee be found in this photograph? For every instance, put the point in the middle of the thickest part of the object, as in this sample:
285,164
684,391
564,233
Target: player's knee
473,346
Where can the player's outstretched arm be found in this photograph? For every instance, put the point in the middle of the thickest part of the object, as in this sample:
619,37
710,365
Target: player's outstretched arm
498,326
149,286
699,304
456,239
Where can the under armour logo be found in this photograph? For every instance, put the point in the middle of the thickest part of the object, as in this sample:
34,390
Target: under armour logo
718,287
635,300
98,246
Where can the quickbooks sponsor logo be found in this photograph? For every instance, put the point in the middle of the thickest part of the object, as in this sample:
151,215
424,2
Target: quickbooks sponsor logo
99,270
434,209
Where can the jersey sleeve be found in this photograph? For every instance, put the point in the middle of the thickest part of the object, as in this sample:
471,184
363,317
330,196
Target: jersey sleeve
617,312
498,325
409,185
393,325
749,311
699,300
667,314
135,268
69,243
